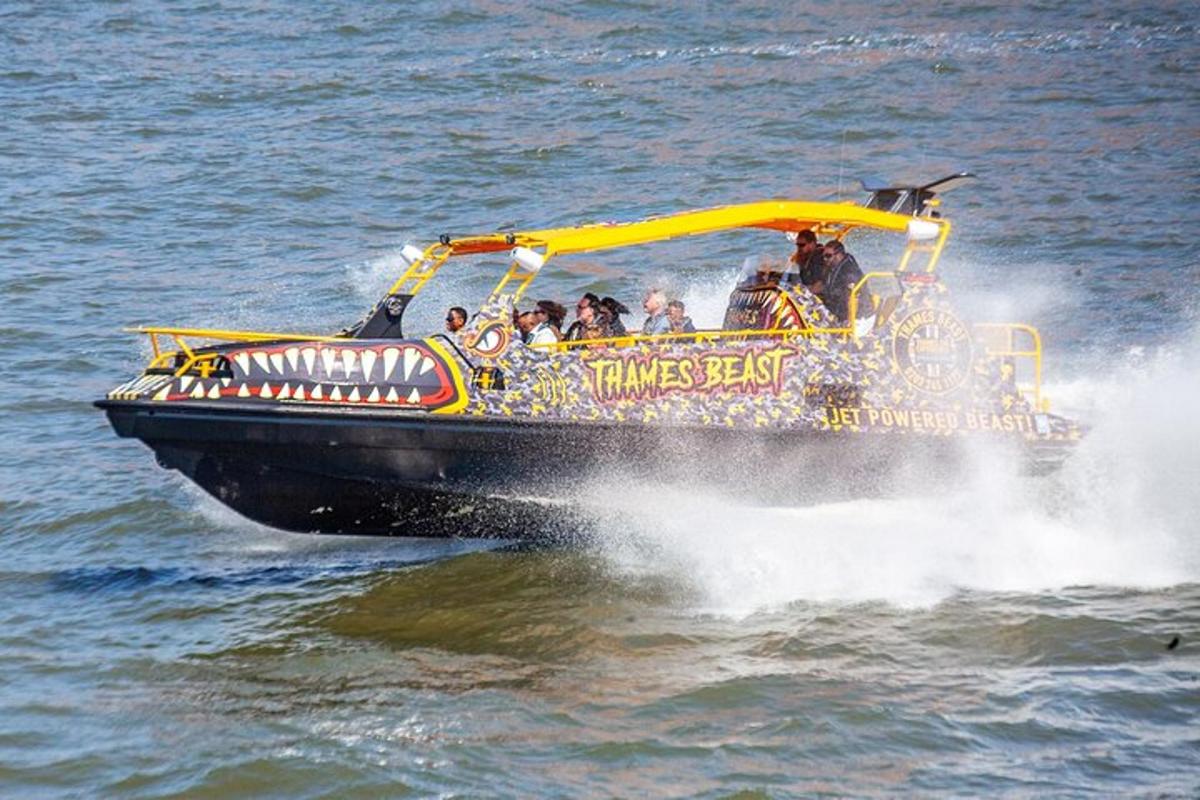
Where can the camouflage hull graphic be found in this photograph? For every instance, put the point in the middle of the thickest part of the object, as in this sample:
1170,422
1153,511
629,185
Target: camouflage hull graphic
917,373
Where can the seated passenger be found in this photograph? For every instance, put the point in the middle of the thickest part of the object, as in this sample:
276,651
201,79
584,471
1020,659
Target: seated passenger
611,310
553,314
588,300
676,320
809,259
590,325
842,273
534,331
655,304
456,318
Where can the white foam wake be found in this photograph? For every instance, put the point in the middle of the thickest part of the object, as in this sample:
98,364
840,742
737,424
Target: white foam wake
1123,512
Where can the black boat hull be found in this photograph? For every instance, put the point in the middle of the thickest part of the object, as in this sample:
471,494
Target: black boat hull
352,472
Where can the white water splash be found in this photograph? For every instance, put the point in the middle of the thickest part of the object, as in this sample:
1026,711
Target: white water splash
1122,512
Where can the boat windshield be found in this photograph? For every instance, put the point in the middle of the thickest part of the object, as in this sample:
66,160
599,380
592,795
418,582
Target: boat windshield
763,268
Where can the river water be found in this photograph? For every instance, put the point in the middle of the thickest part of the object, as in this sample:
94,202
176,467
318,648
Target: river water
260,165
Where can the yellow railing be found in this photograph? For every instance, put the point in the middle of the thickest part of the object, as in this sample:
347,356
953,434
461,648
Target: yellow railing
1000,339
205,363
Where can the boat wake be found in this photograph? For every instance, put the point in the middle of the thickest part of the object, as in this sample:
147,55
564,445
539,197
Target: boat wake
1121,512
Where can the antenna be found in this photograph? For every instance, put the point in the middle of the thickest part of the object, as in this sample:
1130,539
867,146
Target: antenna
841,164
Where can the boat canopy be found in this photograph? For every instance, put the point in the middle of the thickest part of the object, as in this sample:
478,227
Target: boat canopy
780,215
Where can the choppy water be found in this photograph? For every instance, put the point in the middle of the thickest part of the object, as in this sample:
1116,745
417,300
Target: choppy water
260,165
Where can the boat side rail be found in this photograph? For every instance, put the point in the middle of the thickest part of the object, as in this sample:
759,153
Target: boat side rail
633,339
190,356
1023,344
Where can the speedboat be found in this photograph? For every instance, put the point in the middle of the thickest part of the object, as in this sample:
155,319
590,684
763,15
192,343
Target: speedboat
475,433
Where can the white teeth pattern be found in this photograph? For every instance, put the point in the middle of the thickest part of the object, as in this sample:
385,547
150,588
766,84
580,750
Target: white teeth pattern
265,391
389,362
244,391
349,361
185,382
426,365
392,397
336,394
198,392
277,362
162,393
328,357
354,395
310,358
293,357
410,360
225,382
368,364
214,393
243,361
414,396
284,393
373,397
260,358
299,393
317,393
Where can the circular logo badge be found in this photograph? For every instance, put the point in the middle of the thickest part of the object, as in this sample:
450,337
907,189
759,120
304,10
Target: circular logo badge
933,350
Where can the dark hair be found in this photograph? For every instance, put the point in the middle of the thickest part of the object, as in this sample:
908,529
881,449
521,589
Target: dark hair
836,246
555,312
614,306
805,236
676,304
459,312
592,299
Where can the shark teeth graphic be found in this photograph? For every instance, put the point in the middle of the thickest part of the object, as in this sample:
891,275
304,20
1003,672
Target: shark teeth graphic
373,397
243,391
426,365
336,395
293,357
368,364
225,382
242,360
309,354
392,397
414,396
198,392
327,360
354,395
389,362
411,356
284,393
215,392
317,393
162,393
260,358
265,392
299,393
349,361
185,382
277,362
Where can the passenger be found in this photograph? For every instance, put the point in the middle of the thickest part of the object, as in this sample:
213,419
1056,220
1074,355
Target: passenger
553,314
456,318
534,330
588,300
676,319
591,323
611,310
808,259
842,273
655,304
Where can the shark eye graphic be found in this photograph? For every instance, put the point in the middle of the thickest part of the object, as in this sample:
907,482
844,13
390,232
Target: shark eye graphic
492,340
